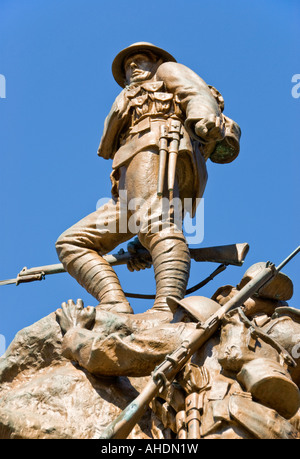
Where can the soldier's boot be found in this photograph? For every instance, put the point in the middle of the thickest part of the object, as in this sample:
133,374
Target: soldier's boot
101,281
171,264
94,274
106,287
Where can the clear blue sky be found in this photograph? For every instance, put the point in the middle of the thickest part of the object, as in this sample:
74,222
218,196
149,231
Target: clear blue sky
56,58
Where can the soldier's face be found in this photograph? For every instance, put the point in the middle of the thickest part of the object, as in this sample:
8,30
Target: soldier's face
139,67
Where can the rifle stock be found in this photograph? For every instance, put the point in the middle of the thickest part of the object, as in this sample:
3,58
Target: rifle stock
121,427
233,254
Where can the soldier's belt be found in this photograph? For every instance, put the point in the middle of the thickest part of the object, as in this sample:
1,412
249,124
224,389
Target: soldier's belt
140,126
144,123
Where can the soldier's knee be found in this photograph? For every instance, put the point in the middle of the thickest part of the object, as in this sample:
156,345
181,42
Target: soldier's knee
62,242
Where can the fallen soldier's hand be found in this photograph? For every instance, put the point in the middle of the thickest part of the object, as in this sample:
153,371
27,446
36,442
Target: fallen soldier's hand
72,315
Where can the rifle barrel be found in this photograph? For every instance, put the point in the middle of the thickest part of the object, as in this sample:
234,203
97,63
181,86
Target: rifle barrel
116,259
284,262
228,254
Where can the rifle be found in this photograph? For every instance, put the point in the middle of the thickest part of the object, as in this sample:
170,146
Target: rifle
164,373
233,254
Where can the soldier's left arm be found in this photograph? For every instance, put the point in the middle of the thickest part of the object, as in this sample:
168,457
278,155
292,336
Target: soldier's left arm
204,120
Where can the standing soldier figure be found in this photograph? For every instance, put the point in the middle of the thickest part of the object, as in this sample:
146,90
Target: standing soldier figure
160,131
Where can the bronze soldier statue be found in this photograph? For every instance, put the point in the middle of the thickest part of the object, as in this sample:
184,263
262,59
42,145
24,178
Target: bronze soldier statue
160,131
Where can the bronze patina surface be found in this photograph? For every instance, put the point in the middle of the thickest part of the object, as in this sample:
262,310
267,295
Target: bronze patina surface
189,367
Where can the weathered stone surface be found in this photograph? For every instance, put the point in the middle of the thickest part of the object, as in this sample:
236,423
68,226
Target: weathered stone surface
44,396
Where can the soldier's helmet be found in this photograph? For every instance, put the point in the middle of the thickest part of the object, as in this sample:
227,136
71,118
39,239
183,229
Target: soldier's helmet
139,47
279,288
199,308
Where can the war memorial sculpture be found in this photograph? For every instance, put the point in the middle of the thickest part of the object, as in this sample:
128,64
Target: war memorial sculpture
189,367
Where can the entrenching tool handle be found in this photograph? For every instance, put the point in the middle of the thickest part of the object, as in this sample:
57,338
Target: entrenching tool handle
163,151
172,170
174,134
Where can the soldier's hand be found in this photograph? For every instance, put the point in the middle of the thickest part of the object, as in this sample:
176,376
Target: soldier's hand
210,129
72,315
138,260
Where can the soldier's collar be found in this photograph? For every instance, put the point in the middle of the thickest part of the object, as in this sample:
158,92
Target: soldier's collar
152,86
132,86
